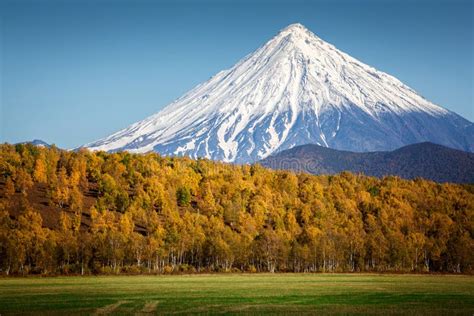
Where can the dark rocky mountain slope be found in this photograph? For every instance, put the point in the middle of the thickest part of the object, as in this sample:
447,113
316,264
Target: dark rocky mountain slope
424,160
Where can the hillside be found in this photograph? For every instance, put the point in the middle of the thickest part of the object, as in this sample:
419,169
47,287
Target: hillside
84,212
423,160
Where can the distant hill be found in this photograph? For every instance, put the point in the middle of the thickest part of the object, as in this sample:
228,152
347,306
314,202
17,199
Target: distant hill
37,142
425,160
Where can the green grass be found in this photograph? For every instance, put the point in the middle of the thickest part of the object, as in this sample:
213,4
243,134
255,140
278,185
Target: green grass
240,293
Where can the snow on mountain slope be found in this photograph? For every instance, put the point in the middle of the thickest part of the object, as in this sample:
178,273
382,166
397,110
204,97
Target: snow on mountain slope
295,89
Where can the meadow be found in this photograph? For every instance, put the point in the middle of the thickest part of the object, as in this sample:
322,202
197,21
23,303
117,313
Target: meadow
240,294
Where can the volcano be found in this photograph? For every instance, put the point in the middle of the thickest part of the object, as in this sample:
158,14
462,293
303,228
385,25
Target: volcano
296,89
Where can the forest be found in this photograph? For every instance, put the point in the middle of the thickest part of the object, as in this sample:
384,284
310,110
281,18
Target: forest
81,212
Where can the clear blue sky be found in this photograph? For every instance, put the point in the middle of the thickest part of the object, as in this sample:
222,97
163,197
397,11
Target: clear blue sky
76,71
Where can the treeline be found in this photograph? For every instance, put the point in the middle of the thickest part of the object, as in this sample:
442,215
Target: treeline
126,213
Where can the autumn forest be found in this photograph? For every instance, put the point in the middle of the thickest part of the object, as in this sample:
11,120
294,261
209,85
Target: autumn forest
80,212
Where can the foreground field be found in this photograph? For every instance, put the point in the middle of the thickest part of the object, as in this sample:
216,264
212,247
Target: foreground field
240,293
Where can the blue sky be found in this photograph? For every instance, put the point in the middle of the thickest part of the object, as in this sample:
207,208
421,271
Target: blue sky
76,71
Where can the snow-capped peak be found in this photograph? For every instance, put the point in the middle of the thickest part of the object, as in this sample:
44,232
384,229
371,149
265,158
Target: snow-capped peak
295,89
296,29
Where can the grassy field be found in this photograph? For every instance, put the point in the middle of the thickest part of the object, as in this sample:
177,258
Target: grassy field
240,293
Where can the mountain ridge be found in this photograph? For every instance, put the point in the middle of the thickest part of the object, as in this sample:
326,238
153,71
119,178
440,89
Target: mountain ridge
422,160
293,90
37,142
